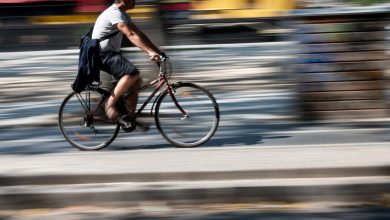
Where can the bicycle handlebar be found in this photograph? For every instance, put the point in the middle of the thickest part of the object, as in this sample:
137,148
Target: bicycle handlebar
163,57
162,64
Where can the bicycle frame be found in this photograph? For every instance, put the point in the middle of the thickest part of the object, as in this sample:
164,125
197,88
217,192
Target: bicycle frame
91,115
160,81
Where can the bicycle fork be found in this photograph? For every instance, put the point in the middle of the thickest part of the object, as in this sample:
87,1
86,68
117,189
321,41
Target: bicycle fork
172,92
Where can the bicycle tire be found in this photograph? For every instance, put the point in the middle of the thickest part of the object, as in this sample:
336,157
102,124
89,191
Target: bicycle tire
194,130
82,129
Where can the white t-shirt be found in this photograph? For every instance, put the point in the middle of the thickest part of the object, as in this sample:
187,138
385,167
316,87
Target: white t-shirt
106,24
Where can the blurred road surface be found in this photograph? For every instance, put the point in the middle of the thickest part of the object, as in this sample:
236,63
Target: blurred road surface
251,83
247,84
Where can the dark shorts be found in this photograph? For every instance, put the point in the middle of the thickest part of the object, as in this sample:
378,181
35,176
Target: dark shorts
117,65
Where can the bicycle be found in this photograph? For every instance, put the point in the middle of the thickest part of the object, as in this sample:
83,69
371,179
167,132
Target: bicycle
185,114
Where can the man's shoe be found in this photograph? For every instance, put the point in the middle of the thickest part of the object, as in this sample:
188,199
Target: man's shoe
127,123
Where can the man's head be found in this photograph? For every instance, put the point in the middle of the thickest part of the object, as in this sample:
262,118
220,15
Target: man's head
125,4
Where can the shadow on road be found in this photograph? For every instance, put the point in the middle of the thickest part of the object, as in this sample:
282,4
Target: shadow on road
243,133
226,136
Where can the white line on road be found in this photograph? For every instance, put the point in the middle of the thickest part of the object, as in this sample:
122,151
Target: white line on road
336,130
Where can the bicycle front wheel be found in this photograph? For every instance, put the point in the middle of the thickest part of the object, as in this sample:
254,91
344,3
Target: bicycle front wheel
83,122
193,129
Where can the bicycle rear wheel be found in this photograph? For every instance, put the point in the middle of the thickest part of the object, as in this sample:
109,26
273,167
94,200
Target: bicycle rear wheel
201,108
83,122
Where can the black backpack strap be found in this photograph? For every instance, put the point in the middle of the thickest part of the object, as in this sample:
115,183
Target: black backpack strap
89,33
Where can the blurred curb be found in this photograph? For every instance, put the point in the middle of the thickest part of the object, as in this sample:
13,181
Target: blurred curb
356,184
334,172
326,173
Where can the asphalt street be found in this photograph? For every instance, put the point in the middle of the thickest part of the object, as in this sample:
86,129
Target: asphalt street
260,150
247,87
251,82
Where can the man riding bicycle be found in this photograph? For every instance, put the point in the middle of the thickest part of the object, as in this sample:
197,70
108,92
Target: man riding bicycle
109,21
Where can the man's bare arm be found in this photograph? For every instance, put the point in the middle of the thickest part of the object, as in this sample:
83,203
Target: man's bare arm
139,39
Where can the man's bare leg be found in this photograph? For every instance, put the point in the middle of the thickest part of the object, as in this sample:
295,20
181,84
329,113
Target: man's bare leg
123,85
132,100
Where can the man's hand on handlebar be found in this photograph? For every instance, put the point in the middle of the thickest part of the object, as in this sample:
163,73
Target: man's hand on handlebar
155,57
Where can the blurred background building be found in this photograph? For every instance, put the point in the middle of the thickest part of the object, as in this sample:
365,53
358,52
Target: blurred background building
58,24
